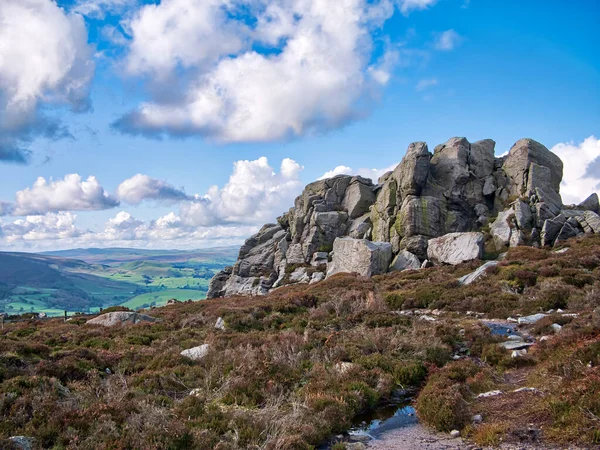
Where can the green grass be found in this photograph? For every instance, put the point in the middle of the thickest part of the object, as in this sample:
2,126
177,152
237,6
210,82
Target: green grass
160,298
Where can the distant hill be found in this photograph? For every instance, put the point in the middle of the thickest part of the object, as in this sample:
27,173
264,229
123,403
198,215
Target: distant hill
119,255
83,280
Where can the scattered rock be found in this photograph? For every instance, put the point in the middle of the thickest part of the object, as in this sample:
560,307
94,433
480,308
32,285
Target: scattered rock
474,276
456,248
220,324
405,260
556,327
477,419
529,320
344,367
454,434
489,394
316,277
112,319
196,353
515,345
527,389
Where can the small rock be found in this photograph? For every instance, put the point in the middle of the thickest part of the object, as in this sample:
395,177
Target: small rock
454,434
195,392
477,418
529,320
562,250
544,338
556,327
515,337
527,389
518,353
512,320
427,318
220,325
489,394
196,353
515,345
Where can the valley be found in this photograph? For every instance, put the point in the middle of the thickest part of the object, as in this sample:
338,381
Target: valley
85,280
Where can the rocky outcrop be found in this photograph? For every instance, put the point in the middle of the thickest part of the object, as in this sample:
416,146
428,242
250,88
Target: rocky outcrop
112,319
459,189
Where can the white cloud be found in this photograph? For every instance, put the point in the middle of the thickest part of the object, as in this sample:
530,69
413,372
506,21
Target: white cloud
581,176
51,226
316,74
181,33
59,231
142,187
254,194
98,9
447,40
373,174
69,194
425,84
48,62
407,6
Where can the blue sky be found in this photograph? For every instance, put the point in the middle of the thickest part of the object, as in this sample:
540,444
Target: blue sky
405,71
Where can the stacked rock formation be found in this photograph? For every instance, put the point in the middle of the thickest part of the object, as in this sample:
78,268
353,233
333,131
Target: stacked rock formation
431,209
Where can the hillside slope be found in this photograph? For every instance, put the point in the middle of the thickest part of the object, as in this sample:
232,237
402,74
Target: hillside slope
293,368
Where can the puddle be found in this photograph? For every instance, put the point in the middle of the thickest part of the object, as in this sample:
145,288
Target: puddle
502,329
397,413
383,420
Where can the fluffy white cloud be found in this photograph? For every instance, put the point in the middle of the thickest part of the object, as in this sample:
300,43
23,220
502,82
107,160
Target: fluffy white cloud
51,226
373,174
46,60
315,73
447,40
142,187
425,84
181,33
254,194
59,230
69,194
581,176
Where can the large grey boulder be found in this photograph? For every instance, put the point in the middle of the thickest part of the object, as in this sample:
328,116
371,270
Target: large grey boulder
523,215
412,172
518,162
216,286
361,256
593,220
405,260
590,204
481,158
112,319
360,228
501,228
417,245
551,229
420,216
358,198
456,248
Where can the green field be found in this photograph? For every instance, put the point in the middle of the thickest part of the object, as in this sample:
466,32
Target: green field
160,298
133,278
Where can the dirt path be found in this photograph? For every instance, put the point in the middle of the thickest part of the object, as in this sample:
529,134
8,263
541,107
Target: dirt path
417,437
